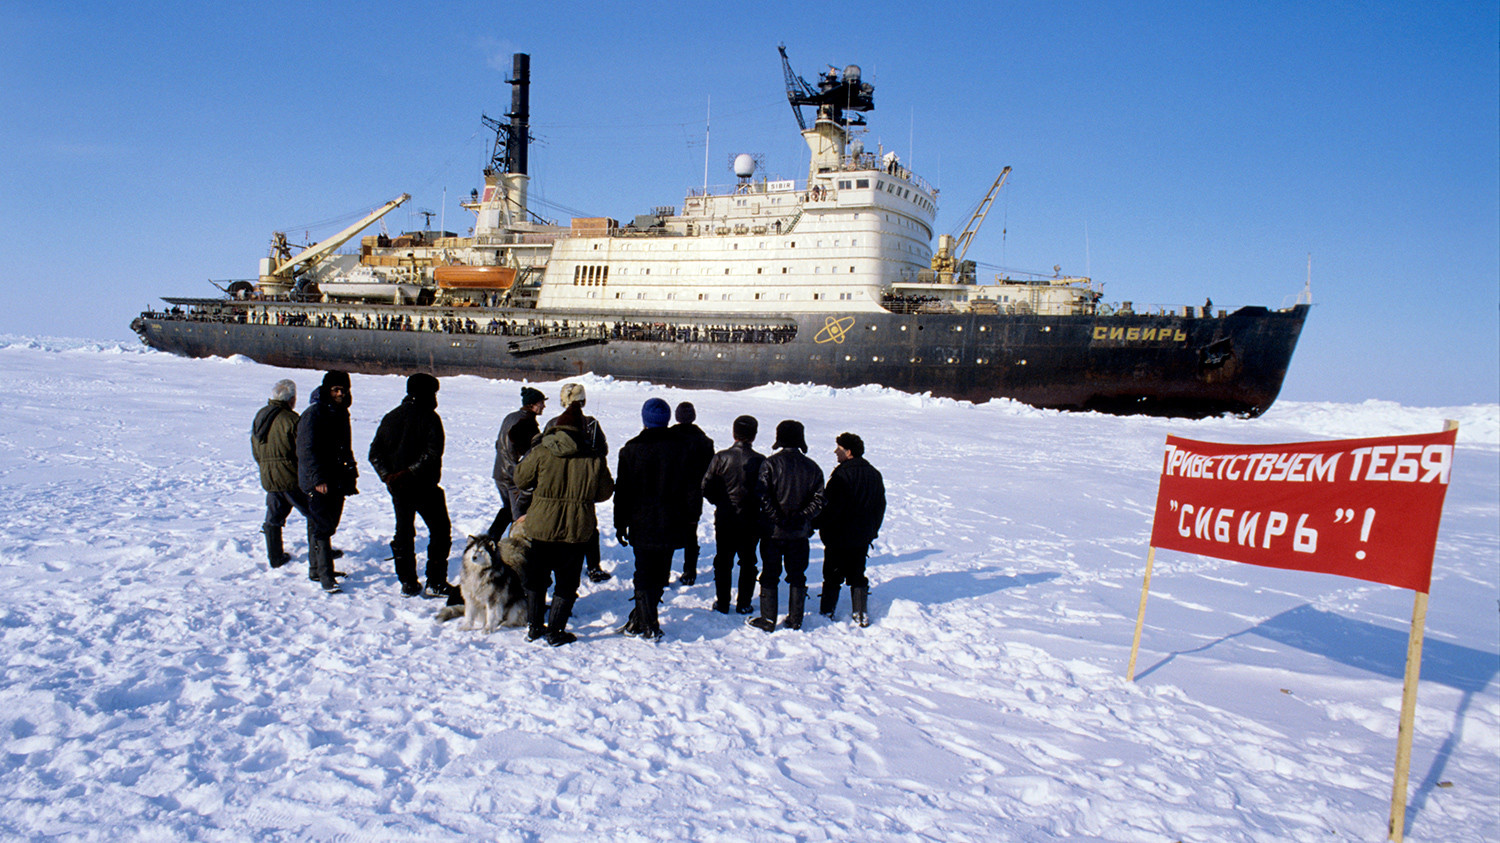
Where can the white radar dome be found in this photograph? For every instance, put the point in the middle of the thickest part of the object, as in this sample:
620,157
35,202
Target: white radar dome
744,165
851,74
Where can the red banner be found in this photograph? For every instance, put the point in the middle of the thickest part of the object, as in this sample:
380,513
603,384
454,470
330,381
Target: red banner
1364,508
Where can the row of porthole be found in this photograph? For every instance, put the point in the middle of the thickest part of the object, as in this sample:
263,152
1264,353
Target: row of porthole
978,361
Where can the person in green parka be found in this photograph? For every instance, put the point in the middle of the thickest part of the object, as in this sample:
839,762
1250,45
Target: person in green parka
566,477
273,443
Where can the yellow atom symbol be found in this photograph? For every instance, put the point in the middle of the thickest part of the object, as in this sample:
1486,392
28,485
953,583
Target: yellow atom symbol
834,329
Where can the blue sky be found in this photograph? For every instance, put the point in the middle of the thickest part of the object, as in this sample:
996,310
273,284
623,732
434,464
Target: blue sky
1171,150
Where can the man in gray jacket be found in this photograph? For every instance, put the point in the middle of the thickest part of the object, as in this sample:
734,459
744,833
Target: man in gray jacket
517,432
273,443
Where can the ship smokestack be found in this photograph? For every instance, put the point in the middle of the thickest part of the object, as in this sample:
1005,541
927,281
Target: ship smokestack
520,114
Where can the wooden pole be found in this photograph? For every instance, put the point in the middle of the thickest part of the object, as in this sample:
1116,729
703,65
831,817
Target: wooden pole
1140,616
1397,827
1408,716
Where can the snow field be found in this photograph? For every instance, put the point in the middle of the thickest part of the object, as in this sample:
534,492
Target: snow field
160,682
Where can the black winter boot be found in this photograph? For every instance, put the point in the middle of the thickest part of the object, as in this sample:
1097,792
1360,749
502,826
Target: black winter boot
318,552
742,601
275,555
406,570
689,566
796,596
633,623
536,615
829,601
650,623
557,623
312,558
722,589
591,562
858,596
769,598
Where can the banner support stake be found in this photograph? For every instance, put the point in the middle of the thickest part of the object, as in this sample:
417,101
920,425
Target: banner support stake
1408,716
1140,616
1397,826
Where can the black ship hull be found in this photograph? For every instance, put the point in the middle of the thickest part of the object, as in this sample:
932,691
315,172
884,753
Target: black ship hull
1168,365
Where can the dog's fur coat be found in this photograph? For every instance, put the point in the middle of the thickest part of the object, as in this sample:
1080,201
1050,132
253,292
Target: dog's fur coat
491,583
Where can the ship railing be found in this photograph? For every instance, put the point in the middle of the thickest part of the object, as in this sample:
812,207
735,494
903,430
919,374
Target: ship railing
519,239
756,188
1187,311
546,331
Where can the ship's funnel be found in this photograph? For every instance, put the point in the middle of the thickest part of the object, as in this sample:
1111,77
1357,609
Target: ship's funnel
520,114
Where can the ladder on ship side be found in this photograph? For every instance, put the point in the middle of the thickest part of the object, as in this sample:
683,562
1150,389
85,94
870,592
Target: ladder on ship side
550,342
792,226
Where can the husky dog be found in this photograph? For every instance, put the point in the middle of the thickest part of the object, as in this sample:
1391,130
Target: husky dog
491,583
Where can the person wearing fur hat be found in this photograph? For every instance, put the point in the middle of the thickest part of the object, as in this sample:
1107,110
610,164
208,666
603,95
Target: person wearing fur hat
326,471
593,439
517,432
566,478
407,454
273,443
698,450
853,509
651,483
730,484
791,487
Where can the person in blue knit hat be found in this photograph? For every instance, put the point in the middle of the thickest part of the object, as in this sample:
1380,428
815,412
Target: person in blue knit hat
650,486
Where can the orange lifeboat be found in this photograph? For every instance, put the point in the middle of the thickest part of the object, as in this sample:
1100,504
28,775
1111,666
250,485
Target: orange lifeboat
474,277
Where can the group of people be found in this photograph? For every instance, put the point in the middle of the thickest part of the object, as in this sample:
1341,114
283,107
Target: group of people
550,479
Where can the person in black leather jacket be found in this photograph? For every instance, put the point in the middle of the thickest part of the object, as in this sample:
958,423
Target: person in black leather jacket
731,484
791,487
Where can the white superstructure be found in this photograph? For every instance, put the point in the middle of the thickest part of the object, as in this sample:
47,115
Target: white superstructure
855,235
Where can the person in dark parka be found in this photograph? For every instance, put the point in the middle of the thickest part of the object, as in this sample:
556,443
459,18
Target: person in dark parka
853,509
791,495
326,471
407,455
698,450
517,432
651,484
730,483
565,477
273,443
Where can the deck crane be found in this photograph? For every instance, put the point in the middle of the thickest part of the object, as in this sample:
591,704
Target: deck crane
835,93
278,273
949,258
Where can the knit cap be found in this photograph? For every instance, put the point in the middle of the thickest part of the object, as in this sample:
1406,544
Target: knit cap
655,413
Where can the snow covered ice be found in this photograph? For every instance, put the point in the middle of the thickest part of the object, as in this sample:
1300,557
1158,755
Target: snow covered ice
161,683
